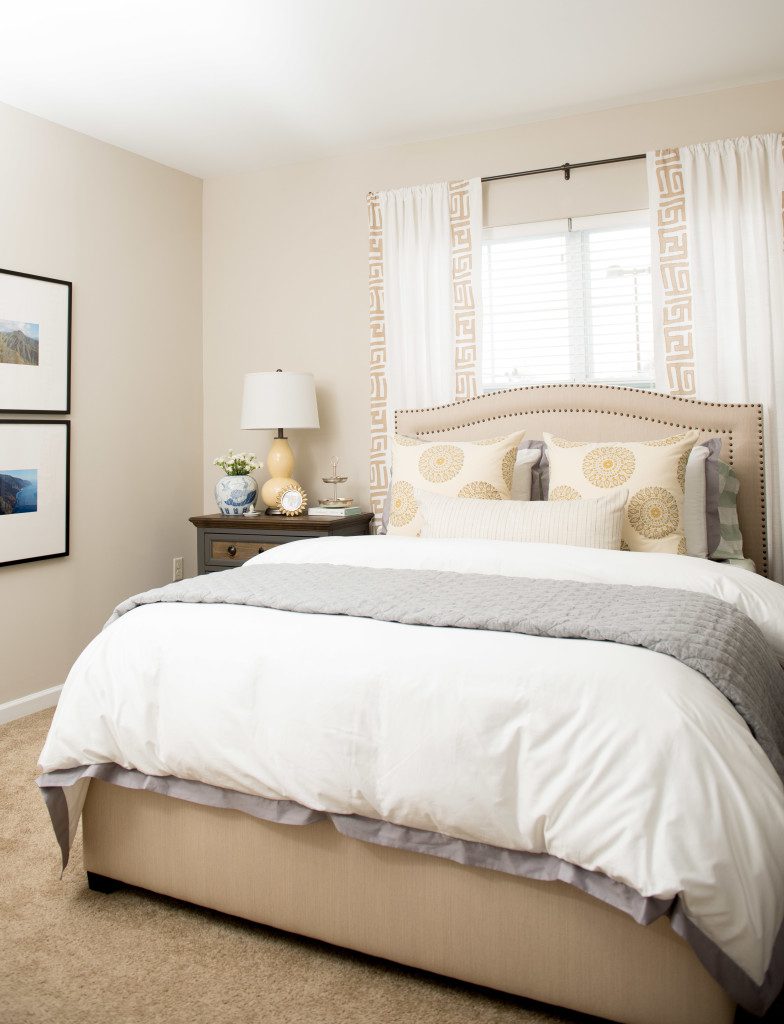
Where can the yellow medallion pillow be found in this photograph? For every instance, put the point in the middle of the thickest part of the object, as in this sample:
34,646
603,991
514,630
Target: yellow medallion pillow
653,472
459,469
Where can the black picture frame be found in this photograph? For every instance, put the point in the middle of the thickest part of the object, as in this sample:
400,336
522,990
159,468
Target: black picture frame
68,285
67,510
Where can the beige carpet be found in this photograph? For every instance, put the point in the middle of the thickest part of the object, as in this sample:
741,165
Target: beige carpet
71,956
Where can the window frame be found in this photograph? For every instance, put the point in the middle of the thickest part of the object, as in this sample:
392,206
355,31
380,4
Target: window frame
575,230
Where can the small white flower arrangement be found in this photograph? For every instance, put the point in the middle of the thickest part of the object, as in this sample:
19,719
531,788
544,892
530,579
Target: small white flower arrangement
238,464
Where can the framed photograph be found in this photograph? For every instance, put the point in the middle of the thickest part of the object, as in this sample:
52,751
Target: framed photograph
34,490
35,343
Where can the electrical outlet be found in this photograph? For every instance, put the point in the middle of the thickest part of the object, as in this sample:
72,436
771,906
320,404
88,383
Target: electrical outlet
177,569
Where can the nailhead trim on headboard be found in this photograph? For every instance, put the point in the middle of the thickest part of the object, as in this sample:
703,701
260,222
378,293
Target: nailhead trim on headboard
593,387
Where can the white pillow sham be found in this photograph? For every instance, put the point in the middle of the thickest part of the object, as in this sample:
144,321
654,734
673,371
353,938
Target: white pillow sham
585,523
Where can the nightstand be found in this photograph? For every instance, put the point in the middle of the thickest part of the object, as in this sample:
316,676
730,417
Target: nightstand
224,541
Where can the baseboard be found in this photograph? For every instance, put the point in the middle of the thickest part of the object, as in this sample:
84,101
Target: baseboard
28,705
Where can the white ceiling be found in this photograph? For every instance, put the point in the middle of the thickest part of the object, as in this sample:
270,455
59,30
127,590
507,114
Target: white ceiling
220,86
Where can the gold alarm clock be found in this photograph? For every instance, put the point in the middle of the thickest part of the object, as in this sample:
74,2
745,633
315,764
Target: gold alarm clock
291,500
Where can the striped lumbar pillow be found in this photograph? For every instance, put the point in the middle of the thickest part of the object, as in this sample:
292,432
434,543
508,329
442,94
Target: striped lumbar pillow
586,523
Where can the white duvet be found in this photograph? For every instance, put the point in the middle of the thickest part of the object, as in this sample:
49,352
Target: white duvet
614,758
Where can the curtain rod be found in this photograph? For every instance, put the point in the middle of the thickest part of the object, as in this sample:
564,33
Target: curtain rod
566,168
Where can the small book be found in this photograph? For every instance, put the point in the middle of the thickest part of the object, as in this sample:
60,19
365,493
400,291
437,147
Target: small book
321,510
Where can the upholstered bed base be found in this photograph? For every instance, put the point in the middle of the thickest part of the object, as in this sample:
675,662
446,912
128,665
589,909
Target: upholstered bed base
543,940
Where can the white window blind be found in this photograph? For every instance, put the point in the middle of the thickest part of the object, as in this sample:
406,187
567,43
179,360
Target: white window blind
568,301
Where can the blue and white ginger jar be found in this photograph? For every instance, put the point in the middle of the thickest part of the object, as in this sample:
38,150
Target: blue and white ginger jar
236,495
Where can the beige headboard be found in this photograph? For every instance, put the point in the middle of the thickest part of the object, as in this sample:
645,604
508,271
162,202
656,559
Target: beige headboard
605,413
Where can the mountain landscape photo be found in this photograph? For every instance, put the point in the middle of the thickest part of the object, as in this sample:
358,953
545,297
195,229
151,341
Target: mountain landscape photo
18,343
18,491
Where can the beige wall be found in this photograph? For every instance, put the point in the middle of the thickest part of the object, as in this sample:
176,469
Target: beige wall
127,232
286,250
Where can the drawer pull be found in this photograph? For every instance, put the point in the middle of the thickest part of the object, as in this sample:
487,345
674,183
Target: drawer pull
231,550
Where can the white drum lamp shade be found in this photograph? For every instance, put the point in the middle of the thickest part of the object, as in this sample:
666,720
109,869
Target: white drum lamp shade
276,400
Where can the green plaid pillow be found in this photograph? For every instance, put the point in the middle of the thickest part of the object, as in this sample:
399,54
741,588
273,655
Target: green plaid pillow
731,543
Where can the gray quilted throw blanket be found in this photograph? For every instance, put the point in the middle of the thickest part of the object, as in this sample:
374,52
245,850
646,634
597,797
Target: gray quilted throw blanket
705,633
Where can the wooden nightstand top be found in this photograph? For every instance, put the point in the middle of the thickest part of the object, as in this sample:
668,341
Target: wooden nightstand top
294,524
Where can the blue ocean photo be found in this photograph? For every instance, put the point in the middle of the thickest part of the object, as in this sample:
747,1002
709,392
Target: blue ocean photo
18,491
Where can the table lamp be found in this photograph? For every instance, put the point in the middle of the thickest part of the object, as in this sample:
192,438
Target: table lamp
269,400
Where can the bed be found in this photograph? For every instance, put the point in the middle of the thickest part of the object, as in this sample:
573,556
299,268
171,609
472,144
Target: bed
419,890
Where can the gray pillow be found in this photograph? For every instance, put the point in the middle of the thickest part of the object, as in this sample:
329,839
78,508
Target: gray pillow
536,470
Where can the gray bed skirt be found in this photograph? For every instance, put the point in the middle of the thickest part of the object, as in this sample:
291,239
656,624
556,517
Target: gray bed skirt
64,793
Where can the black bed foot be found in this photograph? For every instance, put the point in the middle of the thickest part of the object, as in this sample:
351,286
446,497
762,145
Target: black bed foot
100,883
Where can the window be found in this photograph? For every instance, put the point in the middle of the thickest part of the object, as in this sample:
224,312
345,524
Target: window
568,301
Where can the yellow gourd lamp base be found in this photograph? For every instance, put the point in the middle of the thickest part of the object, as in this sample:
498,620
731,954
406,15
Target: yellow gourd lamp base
280,464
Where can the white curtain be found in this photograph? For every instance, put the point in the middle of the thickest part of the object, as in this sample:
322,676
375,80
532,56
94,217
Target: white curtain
425,262
720,248
418,287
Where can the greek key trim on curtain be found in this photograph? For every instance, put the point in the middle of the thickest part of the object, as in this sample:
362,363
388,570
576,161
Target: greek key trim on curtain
432,243
464,256
671,278
379,428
